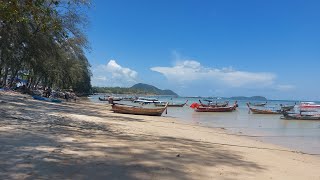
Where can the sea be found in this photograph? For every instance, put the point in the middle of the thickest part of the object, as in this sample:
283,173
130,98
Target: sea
298,135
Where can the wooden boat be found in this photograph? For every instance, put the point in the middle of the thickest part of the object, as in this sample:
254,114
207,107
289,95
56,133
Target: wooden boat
287,107
103,99
258,104
309,105
263,111
211,104
216,109
171,104
146,100
127,109
113,98
300,116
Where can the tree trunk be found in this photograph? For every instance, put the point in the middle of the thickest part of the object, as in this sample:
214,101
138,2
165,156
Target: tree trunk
4,82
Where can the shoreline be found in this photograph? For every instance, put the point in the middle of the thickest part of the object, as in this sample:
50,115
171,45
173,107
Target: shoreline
85,139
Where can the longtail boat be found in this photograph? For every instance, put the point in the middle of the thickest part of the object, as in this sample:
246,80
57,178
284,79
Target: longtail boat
103,99
199,108
137,110
210,104
113,98
144,100
263,111
258,104
171,104
300,116
287,107
309,105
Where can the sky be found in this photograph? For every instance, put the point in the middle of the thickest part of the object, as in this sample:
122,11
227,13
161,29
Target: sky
208,47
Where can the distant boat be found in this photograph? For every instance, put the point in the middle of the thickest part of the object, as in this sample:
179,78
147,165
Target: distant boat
309,105
127,109
263,111
258,104
144,100
211,104
287,107
300,116
103,99
199,108
113,98
171,104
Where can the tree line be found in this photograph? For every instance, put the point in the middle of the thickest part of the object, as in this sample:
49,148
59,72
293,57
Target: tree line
119,90
43,43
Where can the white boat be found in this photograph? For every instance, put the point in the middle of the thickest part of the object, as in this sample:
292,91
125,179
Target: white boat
147,100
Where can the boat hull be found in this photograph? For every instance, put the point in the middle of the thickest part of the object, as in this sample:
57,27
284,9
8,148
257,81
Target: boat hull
258,111
261,111
138,110
215,109
288,116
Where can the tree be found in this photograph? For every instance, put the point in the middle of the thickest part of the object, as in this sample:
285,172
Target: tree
44,40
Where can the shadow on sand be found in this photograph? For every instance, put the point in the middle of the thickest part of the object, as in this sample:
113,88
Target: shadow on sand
53,147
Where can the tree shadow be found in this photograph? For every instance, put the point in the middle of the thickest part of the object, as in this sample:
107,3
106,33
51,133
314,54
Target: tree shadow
53,147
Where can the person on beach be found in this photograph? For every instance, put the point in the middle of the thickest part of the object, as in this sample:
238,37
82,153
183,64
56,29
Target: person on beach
74,96
66,96
110,99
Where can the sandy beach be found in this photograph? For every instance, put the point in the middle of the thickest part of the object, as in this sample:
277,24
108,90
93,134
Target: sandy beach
84,140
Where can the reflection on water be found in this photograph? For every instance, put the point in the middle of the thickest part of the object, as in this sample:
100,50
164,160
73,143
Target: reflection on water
295,134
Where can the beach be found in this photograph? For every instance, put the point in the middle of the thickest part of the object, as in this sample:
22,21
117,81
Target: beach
85,140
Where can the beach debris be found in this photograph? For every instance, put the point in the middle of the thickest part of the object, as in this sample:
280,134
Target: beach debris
178,155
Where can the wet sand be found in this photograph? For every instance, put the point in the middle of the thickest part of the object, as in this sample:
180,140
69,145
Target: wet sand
83,140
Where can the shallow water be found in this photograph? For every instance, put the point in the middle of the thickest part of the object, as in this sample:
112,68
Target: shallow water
294,134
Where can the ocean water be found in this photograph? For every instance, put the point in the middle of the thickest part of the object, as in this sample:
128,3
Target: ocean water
298,135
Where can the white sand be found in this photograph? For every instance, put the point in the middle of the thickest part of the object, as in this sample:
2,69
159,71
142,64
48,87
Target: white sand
40,140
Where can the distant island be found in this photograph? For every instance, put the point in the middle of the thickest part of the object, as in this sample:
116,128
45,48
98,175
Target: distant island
139,88
243,98
253,98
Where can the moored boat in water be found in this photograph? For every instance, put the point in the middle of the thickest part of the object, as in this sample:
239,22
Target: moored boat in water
263,111
144,100
300,116
216,104
199,108
309,105
171,104
103,99
287,107
258,104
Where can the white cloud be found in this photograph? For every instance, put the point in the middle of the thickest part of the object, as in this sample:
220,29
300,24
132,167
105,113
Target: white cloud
189,71
112,74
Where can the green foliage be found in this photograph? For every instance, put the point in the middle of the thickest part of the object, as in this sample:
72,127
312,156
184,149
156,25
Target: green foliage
44,41
136,89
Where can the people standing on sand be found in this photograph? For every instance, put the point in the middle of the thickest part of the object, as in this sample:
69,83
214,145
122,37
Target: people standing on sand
49,92
110,99
67,96
74,96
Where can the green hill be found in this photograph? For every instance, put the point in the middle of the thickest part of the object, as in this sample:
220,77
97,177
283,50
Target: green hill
139,88
149,89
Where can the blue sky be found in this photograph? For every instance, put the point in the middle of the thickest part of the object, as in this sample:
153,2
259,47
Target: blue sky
208,48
